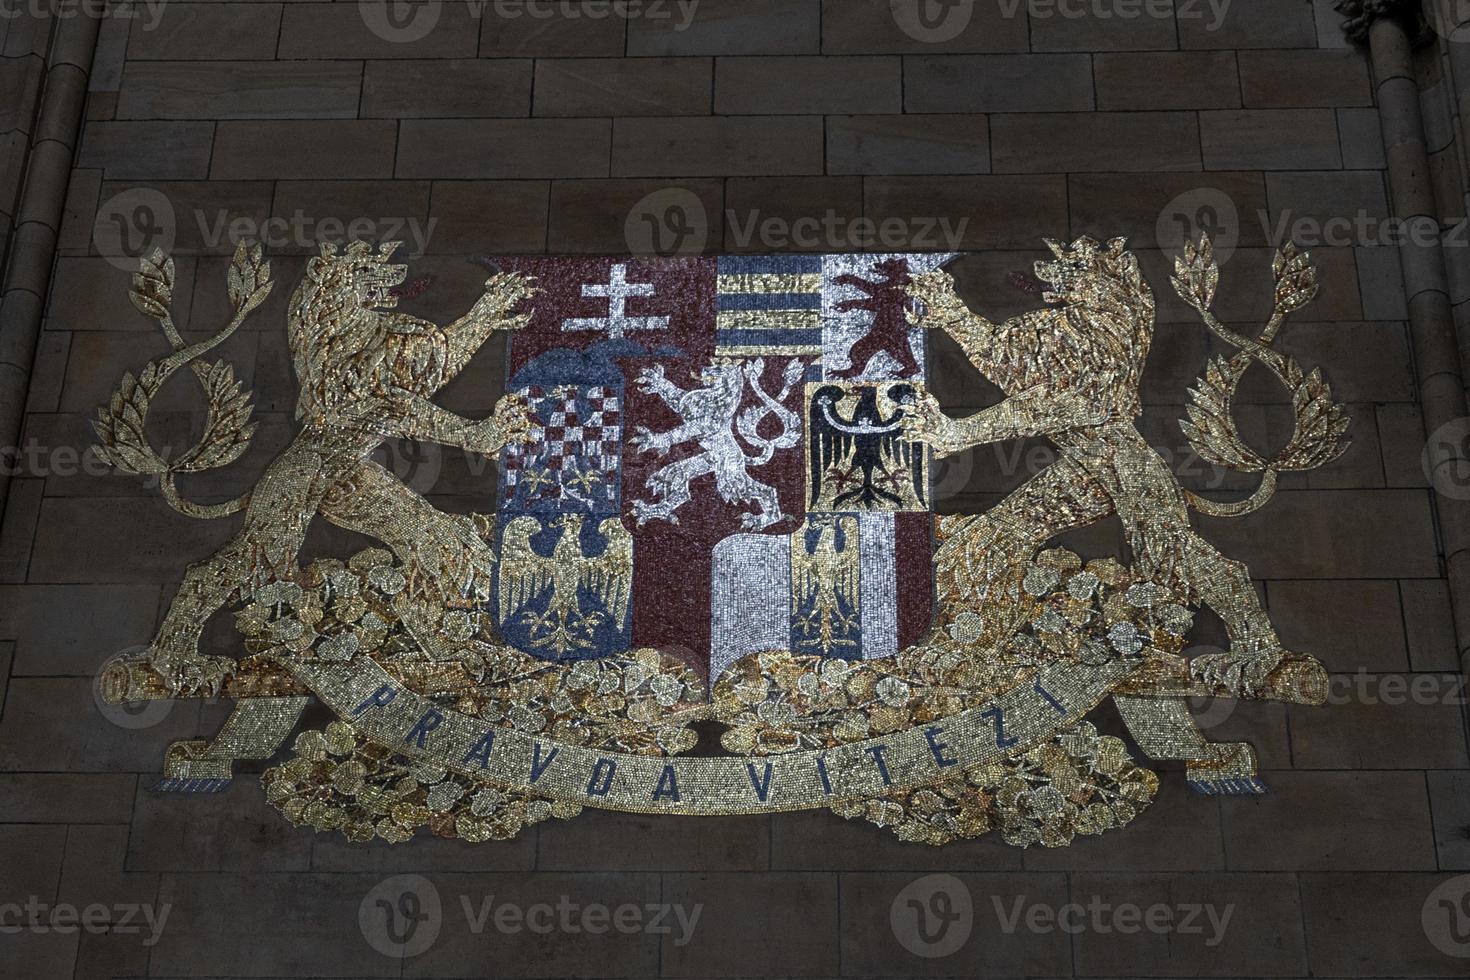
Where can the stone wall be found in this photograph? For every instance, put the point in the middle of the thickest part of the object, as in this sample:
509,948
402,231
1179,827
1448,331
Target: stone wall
756,125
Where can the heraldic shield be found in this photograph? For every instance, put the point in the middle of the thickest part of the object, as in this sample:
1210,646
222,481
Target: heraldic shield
714,513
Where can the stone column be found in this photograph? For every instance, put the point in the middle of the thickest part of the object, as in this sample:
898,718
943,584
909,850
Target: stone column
31,246
1388,29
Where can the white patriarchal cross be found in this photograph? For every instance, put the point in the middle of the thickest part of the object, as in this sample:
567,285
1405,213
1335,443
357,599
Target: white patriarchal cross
617,323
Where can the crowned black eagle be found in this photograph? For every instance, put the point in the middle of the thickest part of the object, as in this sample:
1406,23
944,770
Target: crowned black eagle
864,457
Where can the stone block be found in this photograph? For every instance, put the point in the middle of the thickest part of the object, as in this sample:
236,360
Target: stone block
1263,935
1350,626
1293,79
602,840
1384,721
52,638
444,88
1429,625
882,27
536,149
601,216
823,85
730,27
1094,141
624,86
990,212
750,925
734,146
240,90
998,83
148,150
476,217
540,29
814,214
908,144
1333,534
1379,822
361,148
1366,924
1166,80
415,29
206,31
1250,24
1270,139
1062,27
66,798
889,928
1449,801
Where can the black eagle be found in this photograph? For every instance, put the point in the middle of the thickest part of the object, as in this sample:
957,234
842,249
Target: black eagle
866,450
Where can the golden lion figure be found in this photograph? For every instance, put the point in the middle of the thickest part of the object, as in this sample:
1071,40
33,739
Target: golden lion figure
1071,373
366,374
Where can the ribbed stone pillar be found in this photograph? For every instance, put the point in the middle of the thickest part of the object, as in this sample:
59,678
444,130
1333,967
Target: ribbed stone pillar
1386,26
32,246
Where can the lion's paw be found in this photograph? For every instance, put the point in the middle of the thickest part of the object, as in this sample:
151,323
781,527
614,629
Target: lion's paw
1242,672
191,673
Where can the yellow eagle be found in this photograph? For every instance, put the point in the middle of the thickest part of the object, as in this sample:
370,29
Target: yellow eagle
525,576
823,580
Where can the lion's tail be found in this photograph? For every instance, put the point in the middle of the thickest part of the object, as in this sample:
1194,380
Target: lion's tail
1319,435
1238,508
120,424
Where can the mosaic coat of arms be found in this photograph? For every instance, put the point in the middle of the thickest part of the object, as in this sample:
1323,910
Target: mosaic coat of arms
708,576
